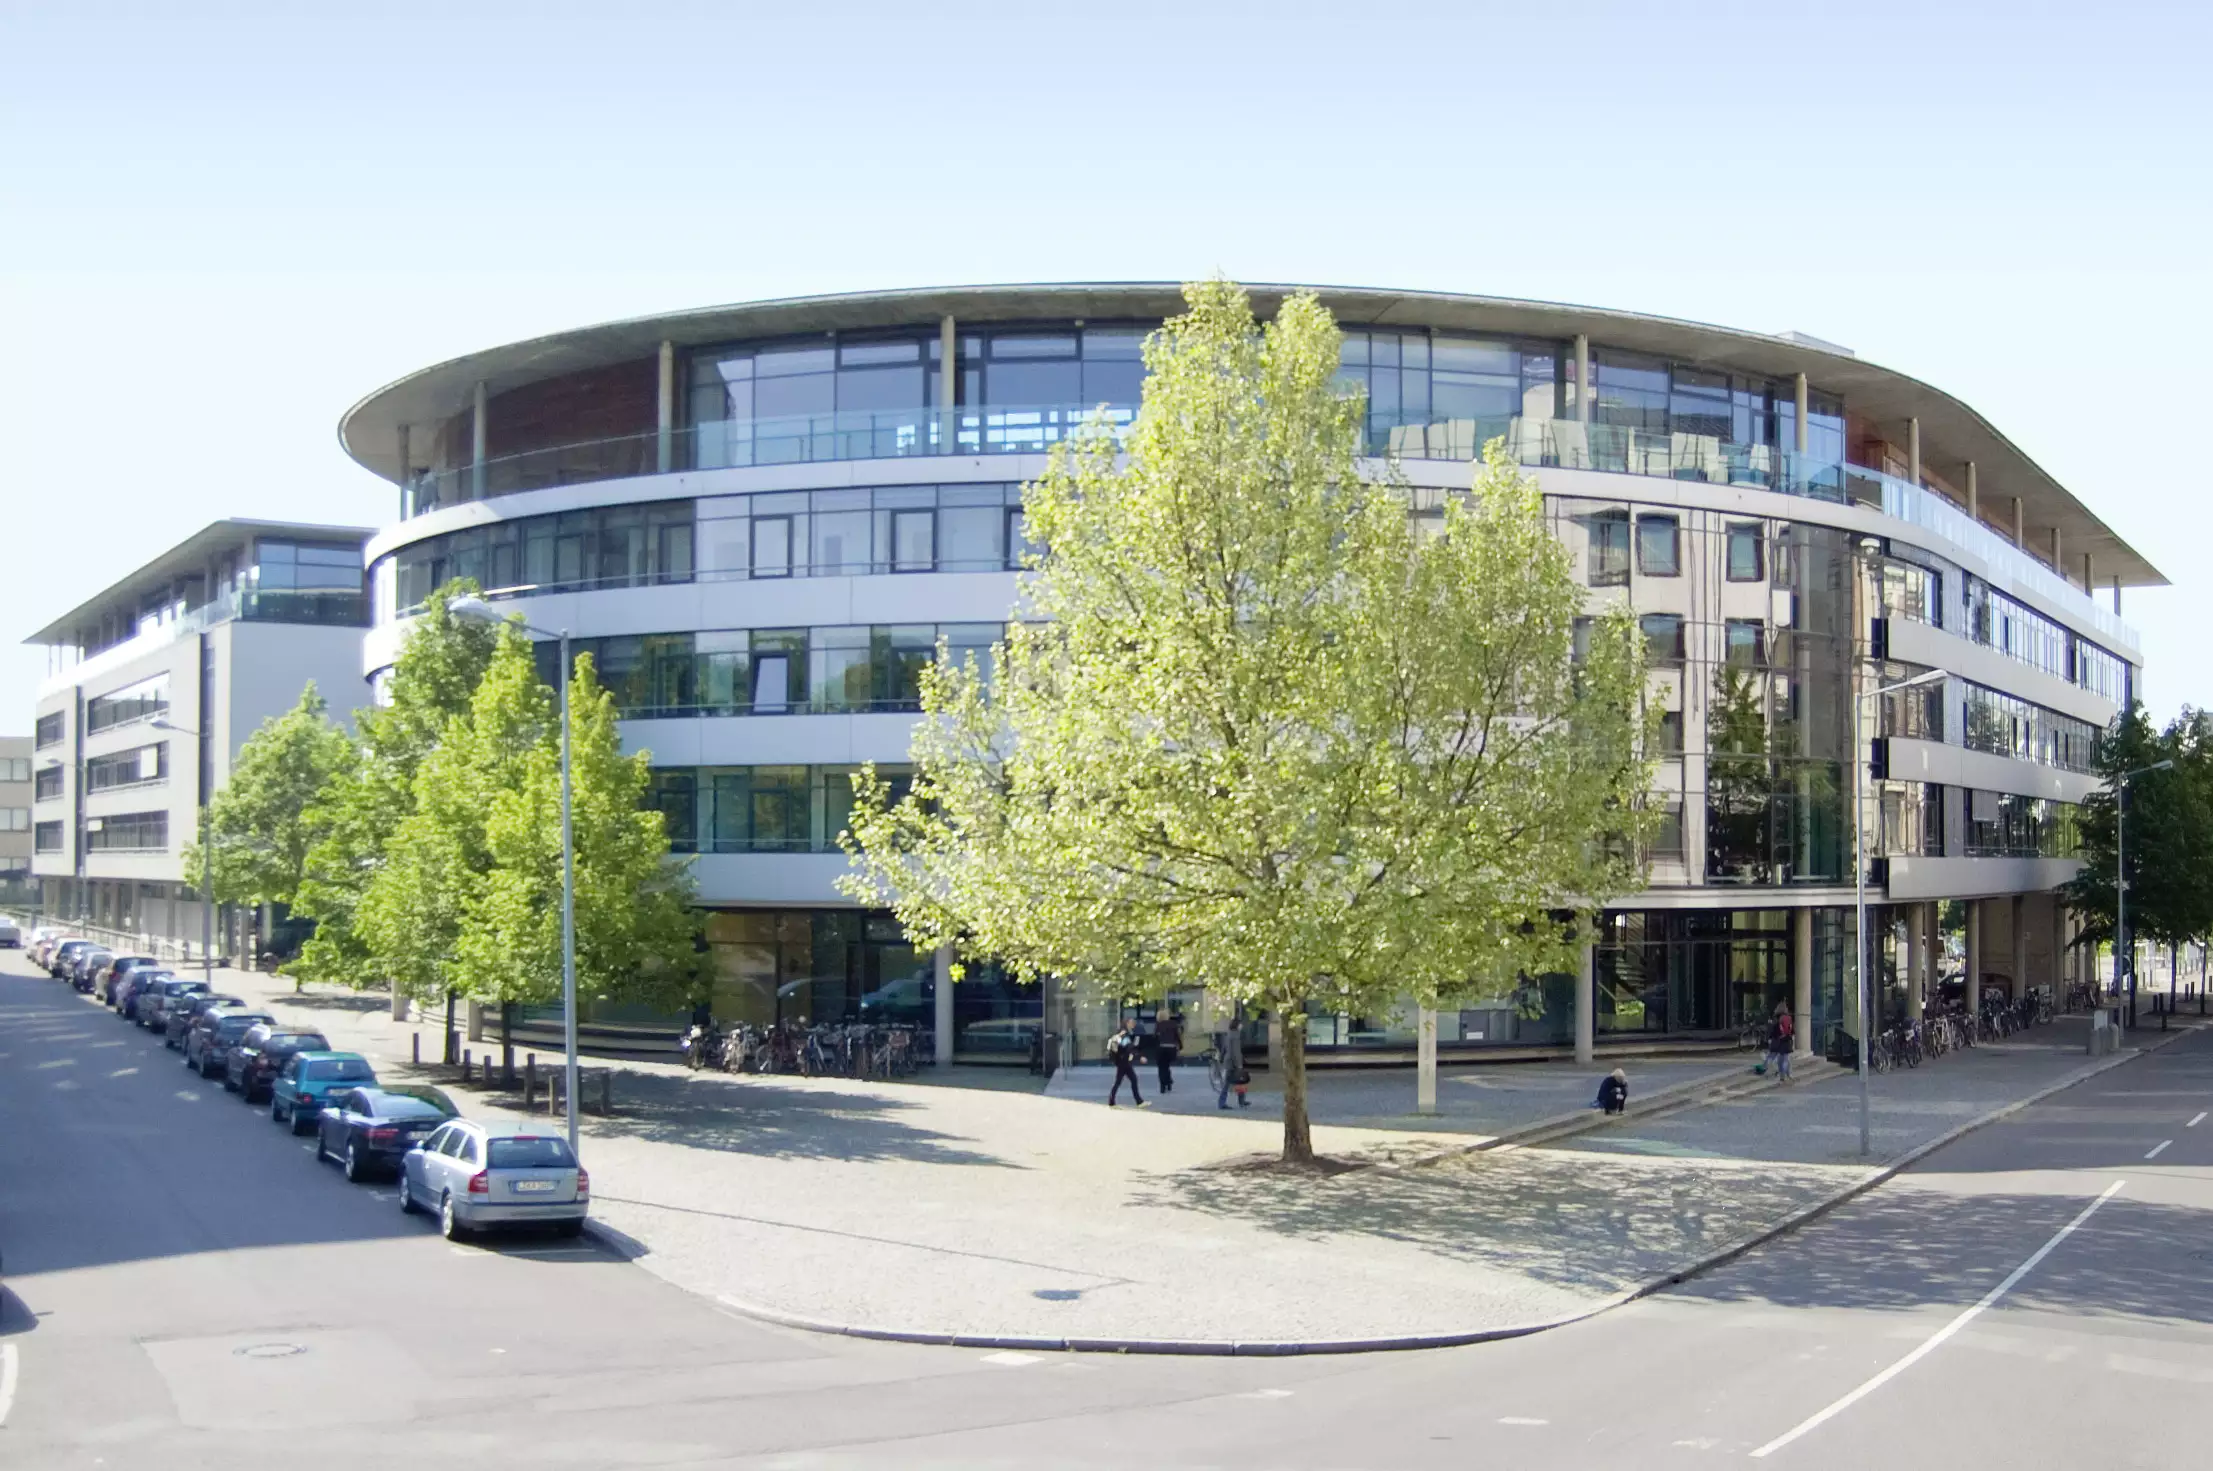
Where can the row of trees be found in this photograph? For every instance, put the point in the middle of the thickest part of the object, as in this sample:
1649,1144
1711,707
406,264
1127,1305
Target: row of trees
425,844
2168,853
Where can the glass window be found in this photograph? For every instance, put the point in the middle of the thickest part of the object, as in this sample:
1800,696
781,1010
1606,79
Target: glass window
1659,546
912,541
772,546
973,538
1746,645
1663,638
1608,560
771,684
1747,552
840,544
530,1152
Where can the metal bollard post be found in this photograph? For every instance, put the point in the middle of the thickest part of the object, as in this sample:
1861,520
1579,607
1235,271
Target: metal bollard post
530,1080
464,1064
606,1092
415,1049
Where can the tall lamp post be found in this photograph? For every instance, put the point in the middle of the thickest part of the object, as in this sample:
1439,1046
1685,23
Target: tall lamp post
207,864
1859,885
483,612
2120,878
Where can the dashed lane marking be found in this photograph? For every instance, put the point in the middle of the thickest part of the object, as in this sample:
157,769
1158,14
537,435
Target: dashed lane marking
2159,1149
1010,1359
1936,1340
2195,1122
1520,1420
7,1380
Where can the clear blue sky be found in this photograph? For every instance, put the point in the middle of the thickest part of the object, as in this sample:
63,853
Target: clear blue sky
220,224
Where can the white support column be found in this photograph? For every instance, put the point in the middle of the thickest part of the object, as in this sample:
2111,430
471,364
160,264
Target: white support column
948,385
2020,946
1801,979
1916,958
1913,451
2020,526
2116,597
1805,400
479,436
1932,960
2089,575
664,448
1586,1003
1974,955
2059,949
2059,563
1974,501
1582,379
1425,1064
942,1021
407,455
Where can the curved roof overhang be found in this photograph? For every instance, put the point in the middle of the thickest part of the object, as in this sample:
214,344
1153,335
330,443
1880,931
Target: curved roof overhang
1952,434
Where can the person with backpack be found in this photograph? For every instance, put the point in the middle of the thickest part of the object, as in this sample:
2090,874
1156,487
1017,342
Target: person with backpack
1781,1037
1122,1052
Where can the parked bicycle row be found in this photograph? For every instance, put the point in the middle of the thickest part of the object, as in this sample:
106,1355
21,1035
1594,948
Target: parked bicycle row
473,1174
835,1050
1905,1043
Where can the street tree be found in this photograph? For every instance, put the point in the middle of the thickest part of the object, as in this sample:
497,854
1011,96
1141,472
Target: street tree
1258,731
635,921
433,680
2167,858
262,822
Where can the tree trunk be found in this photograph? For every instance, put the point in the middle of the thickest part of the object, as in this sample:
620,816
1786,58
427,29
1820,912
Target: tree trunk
452,1041
507,1041
1298,1138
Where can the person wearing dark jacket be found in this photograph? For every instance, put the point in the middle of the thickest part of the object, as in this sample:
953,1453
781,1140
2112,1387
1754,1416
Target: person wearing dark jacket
1122,1048
1613,1092
1167,1044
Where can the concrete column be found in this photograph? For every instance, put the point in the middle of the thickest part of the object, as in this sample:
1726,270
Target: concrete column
2059,563
1974,501
478,436
2020,526
1805,398
1582,379
948,384
1801,978
942,1022
1932,959
2059,950
1425,1063
1586,1003
2020,945
407,455
1913,451
664,449
1916,960
1974,954
2116,597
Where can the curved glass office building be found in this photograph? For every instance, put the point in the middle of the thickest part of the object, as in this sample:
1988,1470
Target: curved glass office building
762,519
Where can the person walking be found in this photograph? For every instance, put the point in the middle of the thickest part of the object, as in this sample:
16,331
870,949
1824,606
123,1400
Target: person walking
1122,1048
1167,1046
1229,1045
1782,1036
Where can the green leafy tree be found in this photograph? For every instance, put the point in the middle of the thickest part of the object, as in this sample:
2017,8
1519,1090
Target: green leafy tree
1266,736
265,819
635,921
433,680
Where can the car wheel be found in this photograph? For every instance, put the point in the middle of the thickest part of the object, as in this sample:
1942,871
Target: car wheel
355,1170
407,1196
299,1125
448,1222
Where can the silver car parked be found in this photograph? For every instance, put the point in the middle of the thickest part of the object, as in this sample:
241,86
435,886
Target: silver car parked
475,1175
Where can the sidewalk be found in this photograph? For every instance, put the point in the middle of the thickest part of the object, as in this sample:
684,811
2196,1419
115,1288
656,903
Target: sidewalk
1021,1216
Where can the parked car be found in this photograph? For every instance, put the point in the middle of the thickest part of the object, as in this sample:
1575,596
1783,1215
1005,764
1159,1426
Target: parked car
476,1175
89,963
11,934
179,1014
370,1129
215,1031
64,951
132,988
154,1001
261,1054
309,1078
39,937
118,968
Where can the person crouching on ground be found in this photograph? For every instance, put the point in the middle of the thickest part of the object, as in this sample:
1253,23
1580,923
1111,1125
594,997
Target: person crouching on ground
1613,1092
1122,1048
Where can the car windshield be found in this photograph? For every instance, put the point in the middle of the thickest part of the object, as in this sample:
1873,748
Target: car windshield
338,1070
289,1043
391,1107
429,1097
235,1026
525,1152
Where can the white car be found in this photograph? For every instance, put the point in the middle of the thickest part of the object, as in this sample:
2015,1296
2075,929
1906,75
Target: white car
11,934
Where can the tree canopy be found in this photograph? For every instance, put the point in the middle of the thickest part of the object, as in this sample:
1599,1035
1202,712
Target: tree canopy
1262,732
2169,831
262,823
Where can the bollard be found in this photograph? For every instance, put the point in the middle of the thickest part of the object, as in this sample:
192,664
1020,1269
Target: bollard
415,1049
530,1080
606,1092
466,1062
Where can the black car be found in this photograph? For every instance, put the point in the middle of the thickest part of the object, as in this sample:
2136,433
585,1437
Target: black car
369,1129
178,1016
60,958
262,1053
118,968
88,964
214,1032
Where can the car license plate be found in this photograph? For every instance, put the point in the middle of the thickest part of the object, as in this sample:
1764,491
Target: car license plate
523,1185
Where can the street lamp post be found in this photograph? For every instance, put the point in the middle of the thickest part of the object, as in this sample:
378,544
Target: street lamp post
207,866
483,612
1859,887
2120,878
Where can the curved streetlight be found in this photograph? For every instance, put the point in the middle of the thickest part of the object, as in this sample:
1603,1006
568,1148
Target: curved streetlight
1859,884
478,610
2120,879
207,861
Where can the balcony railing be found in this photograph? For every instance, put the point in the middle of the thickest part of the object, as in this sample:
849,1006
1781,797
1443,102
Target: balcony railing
1034,429
251,605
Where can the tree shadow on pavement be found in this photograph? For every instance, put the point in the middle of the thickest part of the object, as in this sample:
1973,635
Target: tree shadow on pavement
1591,1222
323,1001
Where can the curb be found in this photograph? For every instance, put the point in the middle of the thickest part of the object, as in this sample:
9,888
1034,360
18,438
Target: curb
1292,1348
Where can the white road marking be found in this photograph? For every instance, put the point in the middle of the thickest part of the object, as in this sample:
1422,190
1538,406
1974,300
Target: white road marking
66,1085
2195,1122
2159,1149
1937,1339
7,1380
188,1095
1011,1359
1269,1394
123,1072
1520,1420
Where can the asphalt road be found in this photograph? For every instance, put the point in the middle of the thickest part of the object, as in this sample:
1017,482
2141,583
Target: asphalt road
187,1288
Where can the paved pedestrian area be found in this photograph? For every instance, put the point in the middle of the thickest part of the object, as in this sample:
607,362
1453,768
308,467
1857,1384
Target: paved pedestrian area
996,1212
